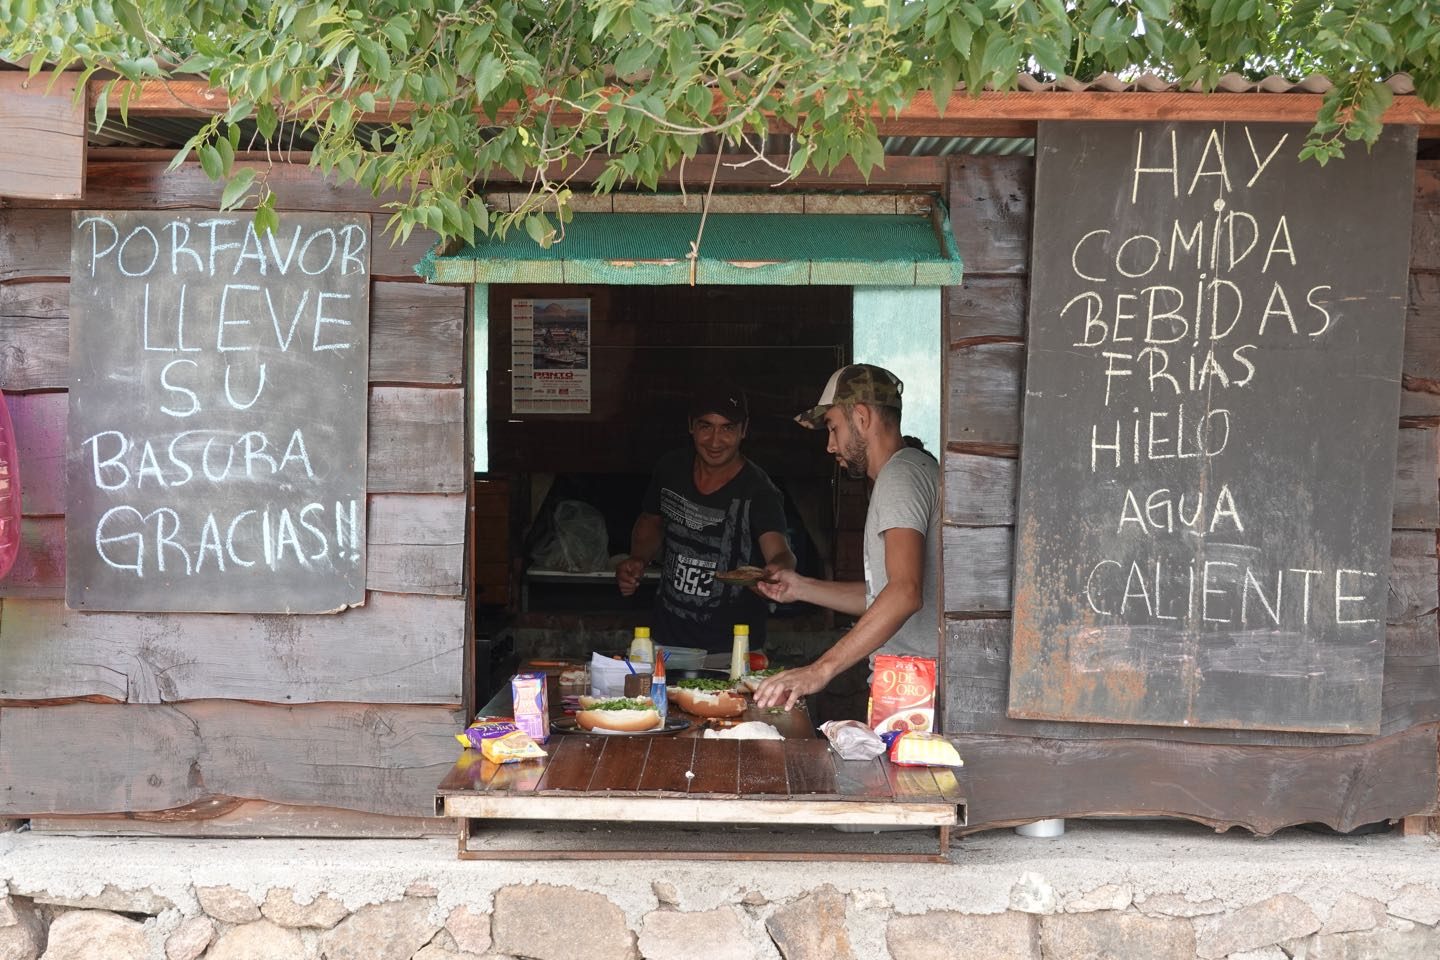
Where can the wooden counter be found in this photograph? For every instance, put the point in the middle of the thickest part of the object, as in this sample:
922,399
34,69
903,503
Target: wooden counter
674,779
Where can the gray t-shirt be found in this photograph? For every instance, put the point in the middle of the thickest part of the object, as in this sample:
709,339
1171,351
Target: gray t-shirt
906,494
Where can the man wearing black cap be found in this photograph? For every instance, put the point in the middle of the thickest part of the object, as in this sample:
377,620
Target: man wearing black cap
896,602
708,510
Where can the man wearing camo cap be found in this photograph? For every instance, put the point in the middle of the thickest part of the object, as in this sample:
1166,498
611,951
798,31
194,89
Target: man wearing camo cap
860,411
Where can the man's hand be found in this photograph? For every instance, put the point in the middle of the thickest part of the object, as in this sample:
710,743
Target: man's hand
628,574
788,686
780,584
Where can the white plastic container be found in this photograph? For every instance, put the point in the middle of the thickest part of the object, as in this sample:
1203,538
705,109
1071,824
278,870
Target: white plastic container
1045,829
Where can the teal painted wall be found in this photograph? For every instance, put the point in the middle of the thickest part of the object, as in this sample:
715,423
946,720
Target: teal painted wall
898,328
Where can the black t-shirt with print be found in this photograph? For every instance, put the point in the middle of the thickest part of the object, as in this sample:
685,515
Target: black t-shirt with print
705,534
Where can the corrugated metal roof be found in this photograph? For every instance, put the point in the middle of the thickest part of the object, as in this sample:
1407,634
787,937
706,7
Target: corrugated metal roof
1401,84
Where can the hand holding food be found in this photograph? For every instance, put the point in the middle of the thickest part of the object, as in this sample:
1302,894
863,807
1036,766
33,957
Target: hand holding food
707,697
624,714
780,586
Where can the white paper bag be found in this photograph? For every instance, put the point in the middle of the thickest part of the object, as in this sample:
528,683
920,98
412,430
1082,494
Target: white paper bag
607,675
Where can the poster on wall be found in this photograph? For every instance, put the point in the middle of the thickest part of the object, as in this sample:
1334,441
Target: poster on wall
550,356
216,453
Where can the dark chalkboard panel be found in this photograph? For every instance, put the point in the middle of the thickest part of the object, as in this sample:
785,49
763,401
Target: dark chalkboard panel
217,426
1212,388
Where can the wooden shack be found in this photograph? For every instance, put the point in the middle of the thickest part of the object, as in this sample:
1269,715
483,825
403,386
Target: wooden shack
342,723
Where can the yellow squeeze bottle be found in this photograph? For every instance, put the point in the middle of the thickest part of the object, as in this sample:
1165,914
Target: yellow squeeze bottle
642,648
740,652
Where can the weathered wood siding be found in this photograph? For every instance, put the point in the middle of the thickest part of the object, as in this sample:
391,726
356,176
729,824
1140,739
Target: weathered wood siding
188,713
1020,770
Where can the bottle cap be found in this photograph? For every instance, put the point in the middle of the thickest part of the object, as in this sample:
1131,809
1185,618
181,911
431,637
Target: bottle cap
742,629
642,631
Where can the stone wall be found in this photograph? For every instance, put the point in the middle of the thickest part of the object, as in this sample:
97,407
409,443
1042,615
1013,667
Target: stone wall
1115,892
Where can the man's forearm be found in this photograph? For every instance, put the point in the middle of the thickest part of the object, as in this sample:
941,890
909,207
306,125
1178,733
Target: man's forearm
645,537
879,623
839,595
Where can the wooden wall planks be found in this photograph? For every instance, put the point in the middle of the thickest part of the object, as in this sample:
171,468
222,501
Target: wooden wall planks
417,440
34,336
384,760
1011,780
984,393
223,817
42,154
211,697
978,678
416,544
990,204
398,648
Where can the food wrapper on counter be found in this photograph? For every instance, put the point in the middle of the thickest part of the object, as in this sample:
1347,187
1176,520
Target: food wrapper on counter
918,749
485,728
512,747
749,730
852,739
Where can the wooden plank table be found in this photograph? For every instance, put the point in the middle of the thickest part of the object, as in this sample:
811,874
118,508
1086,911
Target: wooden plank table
689,780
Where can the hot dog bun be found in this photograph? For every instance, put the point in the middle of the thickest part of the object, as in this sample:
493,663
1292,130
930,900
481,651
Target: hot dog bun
636,715
702,703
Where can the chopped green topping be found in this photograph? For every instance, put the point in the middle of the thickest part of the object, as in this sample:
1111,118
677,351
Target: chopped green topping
765,673
622,703
707,684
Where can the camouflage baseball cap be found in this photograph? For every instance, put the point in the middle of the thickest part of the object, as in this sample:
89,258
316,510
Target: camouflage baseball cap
857,383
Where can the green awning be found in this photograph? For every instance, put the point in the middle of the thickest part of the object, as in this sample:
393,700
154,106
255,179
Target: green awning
786,249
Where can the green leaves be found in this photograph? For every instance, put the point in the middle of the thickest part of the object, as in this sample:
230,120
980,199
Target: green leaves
236,188
512,87
488,75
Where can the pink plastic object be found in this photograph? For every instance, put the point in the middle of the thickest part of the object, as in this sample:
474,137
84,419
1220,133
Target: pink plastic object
9,492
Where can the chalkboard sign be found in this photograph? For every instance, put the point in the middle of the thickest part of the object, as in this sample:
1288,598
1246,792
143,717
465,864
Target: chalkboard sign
217,427
1212,392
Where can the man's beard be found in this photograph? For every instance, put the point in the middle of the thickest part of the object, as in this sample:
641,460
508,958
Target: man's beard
857,458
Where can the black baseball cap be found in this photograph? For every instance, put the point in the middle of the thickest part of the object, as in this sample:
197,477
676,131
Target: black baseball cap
725,399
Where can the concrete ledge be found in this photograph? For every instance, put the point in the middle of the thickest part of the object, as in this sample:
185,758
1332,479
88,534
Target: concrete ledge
1118,889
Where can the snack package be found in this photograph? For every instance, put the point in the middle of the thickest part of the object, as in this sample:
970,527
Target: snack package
511,748
484,728
902,694
531,705
924,750
852,739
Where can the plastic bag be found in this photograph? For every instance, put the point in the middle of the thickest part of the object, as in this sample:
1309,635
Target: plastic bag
852,739
577,541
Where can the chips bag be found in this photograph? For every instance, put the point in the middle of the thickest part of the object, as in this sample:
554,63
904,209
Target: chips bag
485,728
902,694
924,750
510,748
